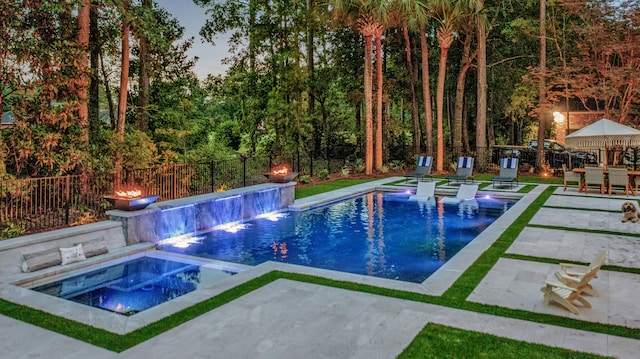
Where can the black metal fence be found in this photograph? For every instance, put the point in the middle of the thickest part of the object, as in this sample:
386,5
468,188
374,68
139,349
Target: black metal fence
36,204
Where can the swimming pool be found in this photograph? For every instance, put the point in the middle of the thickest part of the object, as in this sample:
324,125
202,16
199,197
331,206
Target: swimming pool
132,286
379,234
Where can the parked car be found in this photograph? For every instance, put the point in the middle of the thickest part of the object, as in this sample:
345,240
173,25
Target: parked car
557,155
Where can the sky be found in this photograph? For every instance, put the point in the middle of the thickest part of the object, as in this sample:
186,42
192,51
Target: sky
192,18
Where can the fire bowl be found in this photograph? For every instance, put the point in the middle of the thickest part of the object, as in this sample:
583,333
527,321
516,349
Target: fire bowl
281,178
130,204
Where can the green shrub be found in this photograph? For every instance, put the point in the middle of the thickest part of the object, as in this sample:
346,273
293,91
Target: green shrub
323,174
304,179
345,171
384,169
13,230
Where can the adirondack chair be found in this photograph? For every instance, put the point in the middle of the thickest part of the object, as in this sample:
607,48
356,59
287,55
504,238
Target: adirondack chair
563,295
566,295
508,172
571,274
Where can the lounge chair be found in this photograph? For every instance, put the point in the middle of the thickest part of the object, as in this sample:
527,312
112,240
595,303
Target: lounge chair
423,169
508,172
424,192
572,274
565,296
466,192
464,170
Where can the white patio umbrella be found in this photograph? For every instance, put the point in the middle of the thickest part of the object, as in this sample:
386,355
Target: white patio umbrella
603,134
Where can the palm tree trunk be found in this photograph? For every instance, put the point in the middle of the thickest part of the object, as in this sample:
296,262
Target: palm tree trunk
426,92
541,84
379,80
368,104
465,64
442,72
481,101
414,100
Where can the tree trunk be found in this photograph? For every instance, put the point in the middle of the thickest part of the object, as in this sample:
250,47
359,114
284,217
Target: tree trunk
444,39
481,101
83,69
426,92
379,80
368,104
124,78
465,64
541,84
107,93
94,82
414,100
143,75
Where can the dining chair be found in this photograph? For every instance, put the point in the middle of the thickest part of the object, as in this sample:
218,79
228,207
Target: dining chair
619,177
570,176
593,176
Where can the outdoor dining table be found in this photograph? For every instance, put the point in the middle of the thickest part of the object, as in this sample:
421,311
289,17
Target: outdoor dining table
582,184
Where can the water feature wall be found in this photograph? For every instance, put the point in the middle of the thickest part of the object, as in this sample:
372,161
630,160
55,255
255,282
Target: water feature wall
173,218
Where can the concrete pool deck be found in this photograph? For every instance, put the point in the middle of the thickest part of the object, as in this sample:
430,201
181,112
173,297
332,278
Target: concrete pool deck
293,319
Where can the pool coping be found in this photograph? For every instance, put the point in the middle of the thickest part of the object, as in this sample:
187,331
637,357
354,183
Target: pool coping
435,285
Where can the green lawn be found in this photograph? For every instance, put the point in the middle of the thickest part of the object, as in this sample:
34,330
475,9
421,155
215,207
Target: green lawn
434,341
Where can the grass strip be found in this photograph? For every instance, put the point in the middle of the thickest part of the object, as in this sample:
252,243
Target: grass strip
556,261
585,230
584,209
439,341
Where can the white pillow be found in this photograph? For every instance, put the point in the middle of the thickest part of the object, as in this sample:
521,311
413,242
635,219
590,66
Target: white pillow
72,254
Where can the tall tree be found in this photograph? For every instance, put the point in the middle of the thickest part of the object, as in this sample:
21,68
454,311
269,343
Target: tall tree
481,89
426,88
379,103
144,64
83,70
447,13
541,84
124,81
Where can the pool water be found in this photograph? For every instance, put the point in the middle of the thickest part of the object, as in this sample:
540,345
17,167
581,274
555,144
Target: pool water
378,234
132,286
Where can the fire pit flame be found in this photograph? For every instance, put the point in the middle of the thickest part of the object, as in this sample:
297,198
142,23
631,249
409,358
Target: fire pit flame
134,193
282,171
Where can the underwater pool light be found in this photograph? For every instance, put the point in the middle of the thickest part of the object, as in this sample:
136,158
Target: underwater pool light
183,241
232,227
272,216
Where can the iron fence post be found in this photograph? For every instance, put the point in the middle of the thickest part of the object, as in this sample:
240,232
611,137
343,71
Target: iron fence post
244,171
212,173
66,201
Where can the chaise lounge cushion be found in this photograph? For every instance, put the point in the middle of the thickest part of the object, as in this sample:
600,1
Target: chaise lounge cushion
94,247
40,260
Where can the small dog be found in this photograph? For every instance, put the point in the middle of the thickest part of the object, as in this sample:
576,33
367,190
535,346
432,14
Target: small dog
630,212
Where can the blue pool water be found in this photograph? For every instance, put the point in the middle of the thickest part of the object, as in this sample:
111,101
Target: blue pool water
134,285
378,234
